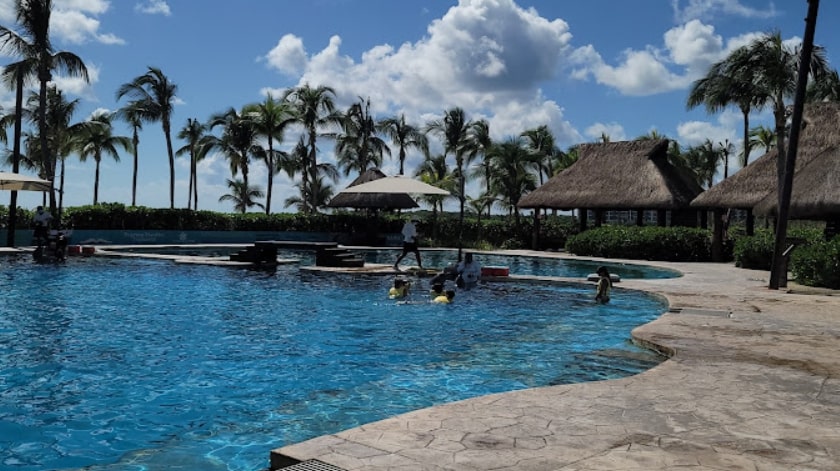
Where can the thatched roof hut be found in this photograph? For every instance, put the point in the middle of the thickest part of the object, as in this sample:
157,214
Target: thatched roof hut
618,175
750,185
372,200
816,189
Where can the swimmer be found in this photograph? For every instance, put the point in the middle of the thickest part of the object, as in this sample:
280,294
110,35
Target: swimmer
445,298
400,289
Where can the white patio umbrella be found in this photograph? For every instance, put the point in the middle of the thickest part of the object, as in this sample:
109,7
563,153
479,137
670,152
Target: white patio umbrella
18,182
396,184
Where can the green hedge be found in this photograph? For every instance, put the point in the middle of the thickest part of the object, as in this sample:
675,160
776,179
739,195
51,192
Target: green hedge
817,264
756,252
439,230
674,244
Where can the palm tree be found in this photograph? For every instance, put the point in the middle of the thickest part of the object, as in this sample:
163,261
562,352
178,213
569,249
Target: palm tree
132,114
435,172
478,143
97,140
763,136
773,66
730,82
454,130
358,147
242,195
14,76
238,142
34,46
826,89
404,136
314,109
511,178
197,146
725,148
540,142
270,118
60,136
154,95
703,161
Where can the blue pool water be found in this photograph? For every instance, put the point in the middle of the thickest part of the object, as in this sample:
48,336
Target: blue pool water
147,365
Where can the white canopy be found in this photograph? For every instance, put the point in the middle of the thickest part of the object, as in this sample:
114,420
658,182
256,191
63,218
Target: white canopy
396,184
18,182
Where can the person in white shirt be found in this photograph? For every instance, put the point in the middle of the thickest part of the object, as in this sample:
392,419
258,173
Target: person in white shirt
409,232
469,272
42,221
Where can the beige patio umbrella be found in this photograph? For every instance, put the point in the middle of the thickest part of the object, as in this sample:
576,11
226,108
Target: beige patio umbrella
396,184
18,182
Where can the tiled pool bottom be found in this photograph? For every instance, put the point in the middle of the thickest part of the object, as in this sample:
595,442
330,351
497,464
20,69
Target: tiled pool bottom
131,364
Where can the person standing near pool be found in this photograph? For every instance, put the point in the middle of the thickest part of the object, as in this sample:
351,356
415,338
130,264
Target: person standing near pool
469,272
604,286
409,232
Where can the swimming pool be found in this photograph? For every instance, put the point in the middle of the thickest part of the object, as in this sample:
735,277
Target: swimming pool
143,364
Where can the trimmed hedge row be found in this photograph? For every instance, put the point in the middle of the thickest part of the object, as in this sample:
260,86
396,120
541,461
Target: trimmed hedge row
438,230
674,244
818,264
756,252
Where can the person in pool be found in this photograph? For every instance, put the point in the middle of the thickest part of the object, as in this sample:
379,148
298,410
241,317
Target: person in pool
604,286
400,289
437,290
445,298
469,272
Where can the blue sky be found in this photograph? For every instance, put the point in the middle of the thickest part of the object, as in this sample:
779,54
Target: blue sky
584,68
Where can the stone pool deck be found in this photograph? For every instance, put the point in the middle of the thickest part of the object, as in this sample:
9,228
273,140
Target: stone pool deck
753,383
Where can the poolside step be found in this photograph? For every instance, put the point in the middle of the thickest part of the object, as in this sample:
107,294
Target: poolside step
309,465
256,254
337,257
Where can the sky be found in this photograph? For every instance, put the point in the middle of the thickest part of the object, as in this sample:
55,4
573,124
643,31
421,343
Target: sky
620,68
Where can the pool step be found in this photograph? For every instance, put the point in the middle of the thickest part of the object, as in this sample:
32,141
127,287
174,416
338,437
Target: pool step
256,254
338,257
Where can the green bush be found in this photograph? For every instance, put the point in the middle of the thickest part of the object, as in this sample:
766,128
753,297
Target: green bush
682,244
817,264
756,252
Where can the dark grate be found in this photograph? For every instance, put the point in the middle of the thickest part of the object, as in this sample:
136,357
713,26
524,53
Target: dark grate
311,465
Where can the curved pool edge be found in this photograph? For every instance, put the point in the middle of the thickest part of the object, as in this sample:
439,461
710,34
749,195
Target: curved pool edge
737,356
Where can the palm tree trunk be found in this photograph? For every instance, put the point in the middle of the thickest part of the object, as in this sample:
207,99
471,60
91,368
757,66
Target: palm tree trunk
45,76
136,142
167,132
270,162
96,184
10,235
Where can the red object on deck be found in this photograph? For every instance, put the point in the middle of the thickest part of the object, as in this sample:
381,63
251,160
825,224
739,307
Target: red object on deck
74,249
87,250
495,271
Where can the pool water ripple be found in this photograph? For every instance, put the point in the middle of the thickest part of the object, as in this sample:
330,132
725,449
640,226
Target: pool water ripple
136,365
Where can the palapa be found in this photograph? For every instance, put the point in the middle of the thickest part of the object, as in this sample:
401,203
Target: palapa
749,186
372,200
618,175
816,190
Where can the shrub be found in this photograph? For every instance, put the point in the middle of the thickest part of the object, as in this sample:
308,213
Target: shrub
756,252
817,264
644,243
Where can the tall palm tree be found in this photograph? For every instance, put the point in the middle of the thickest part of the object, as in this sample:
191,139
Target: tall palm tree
242,195
511,176
478,143
405,137
197,146
358,147
454,131
61,136
238,142
270,118
132,113
154,95
34,46
540,142
773,66
97,140
729,82
314,108
14,77
703,162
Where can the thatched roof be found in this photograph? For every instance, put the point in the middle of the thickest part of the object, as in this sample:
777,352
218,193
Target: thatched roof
372,200
816,190
747,187
617,175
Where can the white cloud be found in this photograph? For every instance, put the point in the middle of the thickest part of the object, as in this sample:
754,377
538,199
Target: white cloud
485,55
71,21
154,7
709,9
76,85
614,131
